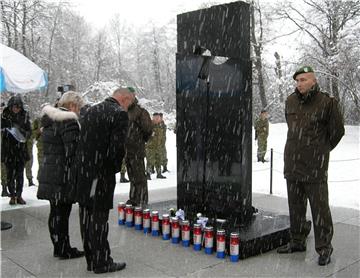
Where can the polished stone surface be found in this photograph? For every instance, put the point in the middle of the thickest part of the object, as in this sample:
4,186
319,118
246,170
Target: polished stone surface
26,249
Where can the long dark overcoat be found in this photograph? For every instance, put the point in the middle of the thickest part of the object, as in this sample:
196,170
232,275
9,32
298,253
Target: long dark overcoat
100,152
59,138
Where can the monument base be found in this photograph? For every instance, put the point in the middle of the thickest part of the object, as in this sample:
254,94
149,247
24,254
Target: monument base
264,232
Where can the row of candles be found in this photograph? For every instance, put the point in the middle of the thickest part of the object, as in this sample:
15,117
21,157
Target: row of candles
174,229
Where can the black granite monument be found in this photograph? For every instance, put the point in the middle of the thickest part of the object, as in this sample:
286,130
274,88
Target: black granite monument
214,125
214,122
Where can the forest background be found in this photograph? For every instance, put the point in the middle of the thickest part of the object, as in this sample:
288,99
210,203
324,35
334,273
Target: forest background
284,35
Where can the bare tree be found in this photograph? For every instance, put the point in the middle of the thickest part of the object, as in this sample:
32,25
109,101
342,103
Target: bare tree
279,74
257,45
323,22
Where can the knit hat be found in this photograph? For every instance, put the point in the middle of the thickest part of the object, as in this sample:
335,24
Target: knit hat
303,69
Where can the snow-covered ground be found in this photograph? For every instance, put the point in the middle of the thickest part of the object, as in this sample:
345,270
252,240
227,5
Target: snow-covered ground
344,174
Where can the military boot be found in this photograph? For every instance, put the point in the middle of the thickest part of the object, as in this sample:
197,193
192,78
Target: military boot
148,176
159,176
31,182
4,192
292,247
165,169
123,179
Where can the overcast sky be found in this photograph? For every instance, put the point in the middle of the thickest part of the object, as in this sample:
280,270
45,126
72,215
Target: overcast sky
136,12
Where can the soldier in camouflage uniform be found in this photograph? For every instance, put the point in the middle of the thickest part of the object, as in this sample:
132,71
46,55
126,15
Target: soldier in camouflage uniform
261,134
4,192
29,164
163,153
123,172
153,148
37,130
140,130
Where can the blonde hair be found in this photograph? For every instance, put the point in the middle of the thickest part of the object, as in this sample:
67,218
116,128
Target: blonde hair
71,97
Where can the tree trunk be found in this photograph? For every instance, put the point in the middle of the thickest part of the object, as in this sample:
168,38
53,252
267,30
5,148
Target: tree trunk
258,61
279,74
23,29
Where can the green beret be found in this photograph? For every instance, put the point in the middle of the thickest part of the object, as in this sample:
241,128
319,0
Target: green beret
303,69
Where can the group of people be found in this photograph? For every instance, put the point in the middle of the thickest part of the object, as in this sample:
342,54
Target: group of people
83,153
82,150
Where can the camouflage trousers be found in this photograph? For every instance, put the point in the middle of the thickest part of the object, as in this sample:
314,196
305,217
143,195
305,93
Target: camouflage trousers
3,174
163,156
317,194
138,182
123,167
262,146
153,159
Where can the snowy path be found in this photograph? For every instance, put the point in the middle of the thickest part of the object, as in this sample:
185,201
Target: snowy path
344,174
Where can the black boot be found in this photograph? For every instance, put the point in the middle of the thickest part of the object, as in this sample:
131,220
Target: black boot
123,179
112,267
159,176
292,247
165,169
4,192
31,182
324,259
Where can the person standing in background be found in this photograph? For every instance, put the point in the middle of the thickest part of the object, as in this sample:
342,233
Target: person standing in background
140,130
4,192
261,134
17,129
29,163
153,149
163,152
123,179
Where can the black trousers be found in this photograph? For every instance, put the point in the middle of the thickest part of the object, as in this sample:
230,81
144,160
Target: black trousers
317,194
94,230
59,227
15,178
138,181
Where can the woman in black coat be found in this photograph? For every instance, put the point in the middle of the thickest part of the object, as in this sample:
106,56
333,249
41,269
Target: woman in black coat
59,137
15,130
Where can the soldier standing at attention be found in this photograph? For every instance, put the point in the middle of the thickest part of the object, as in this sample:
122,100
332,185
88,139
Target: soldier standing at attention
153,149
163,153
29,163
4,192
123,179
315,127
261,134
140,130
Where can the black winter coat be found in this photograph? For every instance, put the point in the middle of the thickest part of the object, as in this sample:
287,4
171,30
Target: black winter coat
12,151
315,127
100,152
59,137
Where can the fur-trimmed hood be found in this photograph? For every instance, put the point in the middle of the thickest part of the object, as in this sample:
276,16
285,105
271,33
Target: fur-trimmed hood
51,114
58,114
